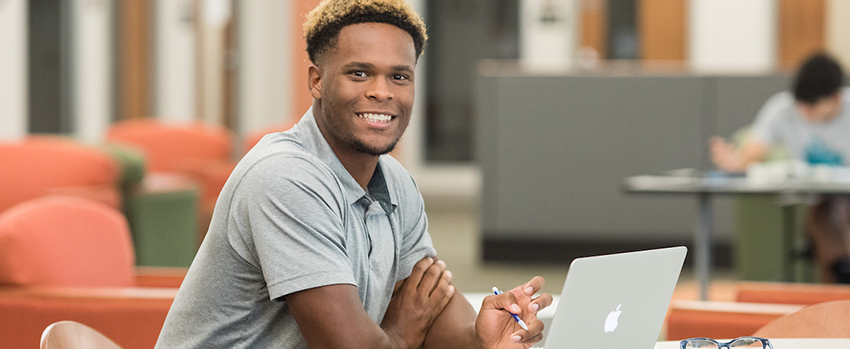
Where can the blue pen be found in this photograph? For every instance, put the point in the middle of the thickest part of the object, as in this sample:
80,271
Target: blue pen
515,316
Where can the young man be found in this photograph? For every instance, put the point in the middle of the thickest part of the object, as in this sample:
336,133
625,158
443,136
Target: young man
320,240
813,125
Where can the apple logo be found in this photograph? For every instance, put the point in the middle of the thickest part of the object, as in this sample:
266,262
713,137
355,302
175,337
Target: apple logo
611,320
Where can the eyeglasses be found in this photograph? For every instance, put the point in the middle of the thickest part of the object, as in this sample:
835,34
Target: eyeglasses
740,342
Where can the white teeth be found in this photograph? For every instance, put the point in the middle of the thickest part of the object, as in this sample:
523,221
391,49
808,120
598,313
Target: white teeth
375,117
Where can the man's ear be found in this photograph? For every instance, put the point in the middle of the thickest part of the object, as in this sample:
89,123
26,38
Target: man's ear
314,81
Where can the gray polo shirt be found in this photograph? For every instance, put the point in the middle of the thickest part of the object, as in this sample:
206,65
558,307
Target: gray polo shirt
779,123
291,218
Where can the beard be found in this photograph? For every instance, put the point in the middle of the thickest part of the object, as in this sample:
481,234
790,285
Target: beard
359,146
337,128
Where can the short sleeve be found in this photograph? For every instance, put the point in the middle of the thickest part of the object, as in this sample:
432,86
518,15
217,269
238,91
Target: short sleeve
766,126
416,242
289,215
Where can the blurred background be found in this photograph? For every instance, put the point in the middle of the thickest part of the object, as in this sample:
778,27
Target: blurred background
528,115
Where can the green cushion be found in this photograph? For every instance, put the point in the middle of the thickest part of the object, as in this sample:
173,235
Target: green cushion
164,225
131,160
163,219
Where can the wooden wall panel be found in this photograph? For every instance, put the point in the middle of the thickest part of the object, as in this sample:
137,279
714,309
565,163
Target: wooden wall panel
300,62
662,29
201,60
214,71
228,102
594,26
133,59
801,30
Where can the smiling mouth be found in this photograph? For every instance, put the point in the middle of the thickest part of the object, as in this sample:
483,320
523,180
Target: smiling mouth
375,117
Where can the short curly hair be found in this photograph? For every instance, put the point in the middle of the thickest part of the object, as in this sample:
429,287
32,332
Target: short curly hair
326,21
819,77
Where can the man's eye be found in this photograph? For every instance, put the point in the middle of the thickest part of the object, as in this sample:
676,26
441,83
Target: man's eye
400,77
359,74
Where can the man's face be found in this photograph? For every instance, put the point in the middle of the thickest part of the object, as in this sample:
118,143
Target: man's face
825,109
365,87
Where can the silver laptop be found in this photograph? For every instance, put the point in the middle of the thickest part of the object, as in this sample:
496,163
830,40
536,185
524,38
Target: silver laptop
616,301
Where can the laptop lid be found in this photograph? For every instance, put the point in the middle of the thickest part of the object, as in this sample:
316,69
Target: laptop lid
616,301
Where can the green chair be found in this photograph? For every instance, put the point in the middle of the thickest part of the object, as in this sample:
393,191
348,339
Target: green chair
760,250
162,211
163,216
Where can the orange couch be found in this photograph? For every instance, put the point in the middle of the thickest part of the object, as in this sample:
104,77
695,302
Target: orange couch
44,165
132,317
201,151
254,137
687,319
757,303
791,293
68,258
197,149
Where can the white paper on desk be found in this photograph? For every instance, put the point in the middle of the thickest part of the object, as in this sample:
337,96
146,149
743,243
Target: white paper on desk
659,181
842,174
774,172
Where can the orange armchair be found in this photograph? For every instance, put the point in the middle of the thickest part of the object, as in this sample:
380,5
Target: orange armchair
254,137
757,304
821,320
68,258
791,293
686,319
43,165
200,150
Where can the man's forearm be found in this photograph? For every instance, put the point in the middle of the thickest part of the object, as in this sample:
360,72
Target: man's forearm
454,327
333,317
736,160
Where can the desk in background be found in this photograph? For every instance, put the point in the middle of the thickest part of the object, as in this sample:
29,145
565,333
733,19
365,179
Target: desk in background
706,187
554,146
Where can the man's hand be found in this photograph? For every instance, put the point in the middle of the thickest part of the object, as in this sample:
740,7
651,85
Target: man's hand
724,155
730,159
495,327
416,302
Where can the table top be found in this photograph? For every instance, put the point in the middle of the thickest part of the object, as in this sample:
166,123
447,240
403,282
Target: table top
547,314
786,343
719,184
781,343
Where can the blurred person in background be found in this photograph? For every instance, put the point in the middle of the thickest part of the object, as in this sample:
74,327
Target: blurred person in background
811,123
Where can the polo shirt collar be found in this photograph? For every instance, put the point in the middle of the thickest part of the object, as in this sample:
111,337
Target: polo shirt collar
380,189
378,184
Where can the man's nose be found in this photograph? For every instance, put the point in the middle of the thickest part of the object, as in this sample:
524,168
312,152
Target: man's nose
379,90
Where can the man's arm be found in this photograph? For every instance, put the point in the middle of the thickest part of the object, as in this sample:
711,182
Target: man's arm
493,327
333,316
455,327
728,158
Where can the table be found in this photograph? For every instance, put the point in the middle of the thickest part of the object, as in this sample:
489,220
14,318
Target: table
548,313
781,343
703,187
786,343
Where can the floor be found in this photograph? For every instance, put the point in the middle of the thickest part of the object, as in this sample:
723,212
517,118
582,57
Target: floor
455,234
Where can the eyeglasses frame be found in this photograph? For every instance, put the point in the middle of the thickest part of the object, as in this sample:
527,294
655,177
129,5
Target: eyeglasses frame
765,343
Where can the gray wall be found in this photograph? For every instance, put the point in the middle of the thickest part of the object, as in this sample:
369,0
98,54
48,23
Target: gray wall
554,149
